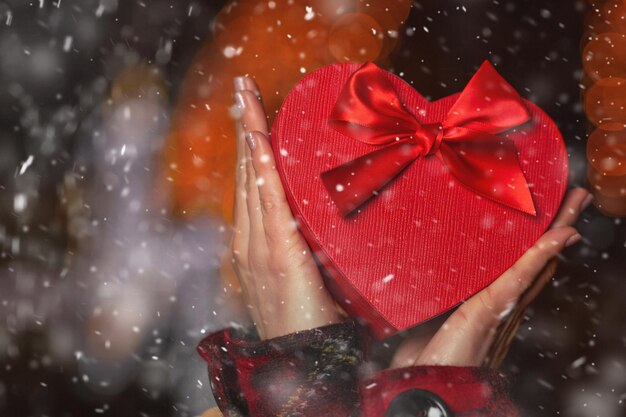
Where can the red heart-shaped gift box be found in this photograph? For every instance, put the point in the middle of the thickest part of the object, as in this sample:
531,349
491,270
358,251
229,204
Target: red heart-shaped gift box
426,242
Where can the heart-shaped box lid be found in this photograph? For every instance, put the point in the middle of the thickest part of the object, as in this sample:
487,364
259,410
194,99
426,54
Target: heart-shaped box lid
426,242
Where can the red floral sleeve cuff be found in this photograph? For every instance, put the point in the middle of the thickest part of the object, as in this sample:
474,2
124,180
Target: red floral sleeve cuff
436,390
314,373
309,373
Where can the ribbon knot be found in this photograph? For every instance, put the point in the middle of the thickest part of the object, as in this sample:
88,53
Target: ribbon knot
430,137
467,141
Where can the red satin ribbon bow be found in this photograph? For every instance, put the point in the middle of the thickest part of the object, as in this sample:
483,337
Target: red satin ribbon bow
369,110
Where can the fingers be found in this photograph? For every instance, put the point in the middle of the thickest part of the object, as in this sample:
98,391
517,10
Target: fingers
244,83
276,215
278,220
505,293
519,285
577,201
466,337
508,328
252,118
241,222
249,238
501,296
253,114
257,231
481,329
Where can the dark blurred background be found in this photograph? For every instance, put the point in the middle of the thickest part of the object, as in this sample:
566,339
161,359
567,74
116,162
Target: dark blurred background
85,225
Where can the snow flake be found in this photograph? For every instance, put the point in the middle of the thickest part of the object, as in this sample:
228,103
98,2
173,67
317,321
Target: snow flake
26,164
232,51
310,14
67,43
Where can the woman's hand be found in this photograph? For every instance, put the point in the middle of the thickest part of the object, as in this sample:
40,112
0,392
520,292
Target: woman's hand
281,282
479,332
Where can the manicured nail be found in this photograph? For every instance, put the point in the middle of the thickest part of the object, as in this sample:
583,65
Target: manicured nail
239,83
586,202
241,105
573,240
250,139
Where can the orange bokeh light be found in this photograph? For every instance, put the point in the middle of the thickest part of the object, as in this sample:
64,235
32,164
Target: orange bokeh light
604,61
613,206
606,16
605,56
607,185
606,151
355,37
605,103
609,192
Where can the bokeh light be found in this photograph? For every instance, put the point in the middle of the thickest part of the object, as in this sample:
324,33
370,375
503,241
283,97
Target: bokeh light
604,61
605,56
605,103
606,151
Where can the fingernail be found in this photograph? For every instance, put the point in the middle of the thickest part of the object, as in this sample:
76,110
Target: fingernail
239,83
241,105
250,139
586,202
572,240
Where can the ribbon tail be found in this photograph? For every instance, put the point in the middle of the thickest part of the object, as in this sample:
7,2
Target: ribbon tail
491,169
350,185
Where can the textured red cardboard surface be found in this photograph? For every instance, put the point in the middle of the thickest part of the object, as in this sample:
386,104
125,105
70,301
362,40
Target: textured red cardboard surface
426,243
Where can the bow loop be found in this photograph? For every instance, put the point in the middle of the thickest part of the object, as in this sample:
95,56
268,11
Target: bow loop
370,111
488,104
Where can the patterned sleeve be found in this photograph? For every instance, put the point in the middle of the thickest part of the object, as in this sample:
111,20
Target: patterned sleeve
309,373
315,373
